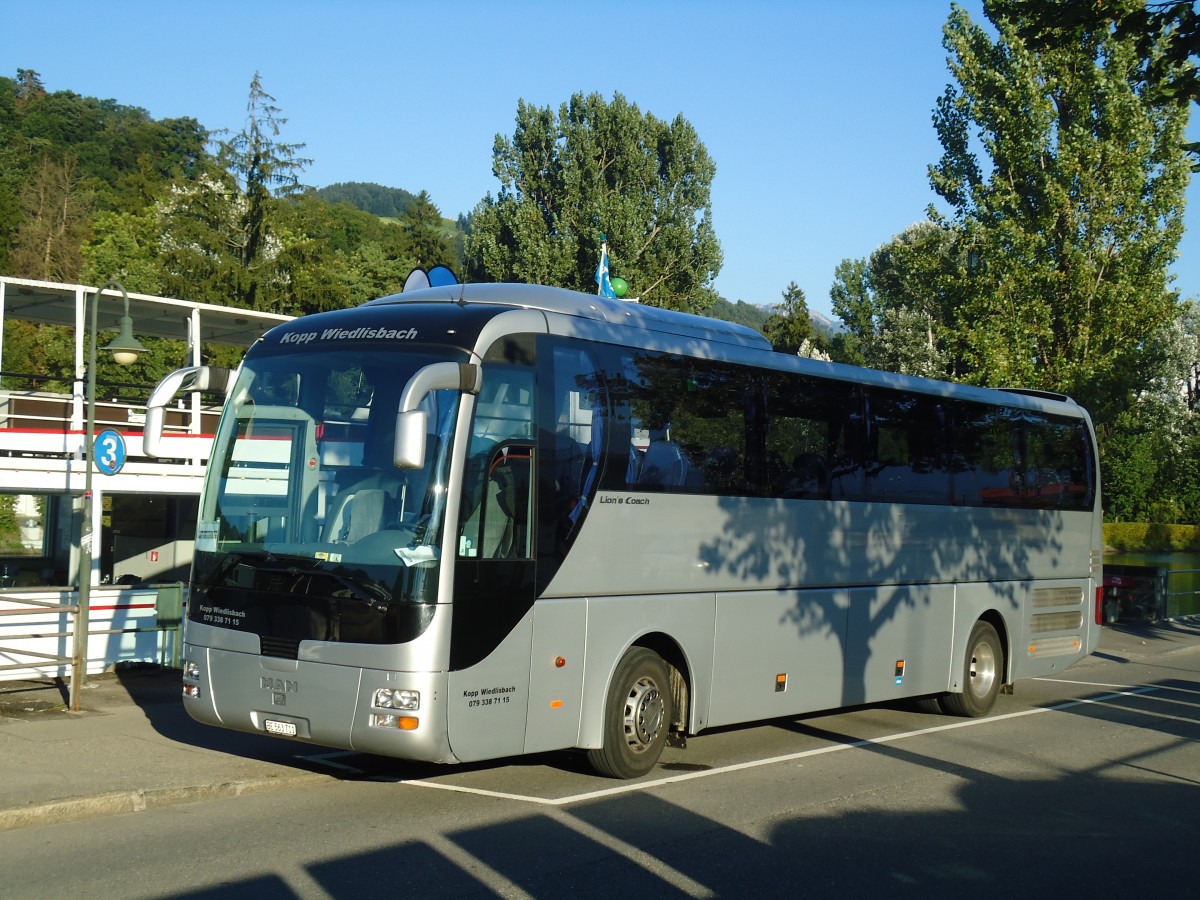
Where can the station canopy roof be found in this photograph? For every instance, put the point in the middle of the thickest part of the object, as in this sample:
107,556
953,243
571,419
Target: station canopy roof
164,317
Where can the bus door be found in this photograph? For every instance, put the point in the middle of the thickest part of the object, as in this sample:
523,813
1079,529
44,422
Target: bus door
494,586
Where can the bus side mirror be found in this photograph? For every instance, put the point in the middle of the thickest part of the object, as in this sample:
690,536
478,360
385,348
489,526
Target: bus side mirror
410,439
411,422
189,380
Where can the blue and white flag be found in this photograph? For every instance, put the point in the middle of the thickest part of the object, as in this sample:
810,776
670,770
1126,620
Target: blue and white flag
604,286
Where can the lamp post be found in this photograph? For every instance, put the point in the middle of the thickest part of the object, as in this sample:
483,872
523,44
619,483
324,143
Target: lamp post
125,349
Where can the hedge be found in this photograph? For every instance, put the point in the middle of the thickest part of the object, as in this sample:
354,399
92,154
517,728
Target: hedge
1151,537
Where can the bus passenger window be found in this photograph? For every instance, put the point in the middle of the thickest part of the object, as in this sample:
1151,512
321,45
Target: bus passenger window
984,464
908,457
812,437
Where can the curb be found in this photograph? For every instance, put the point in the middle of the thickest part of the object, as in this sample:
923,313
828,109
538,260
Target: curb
60,811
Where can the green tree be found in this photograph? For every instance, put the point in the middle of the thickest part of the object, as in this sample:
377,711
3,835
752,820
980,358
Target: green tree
385,202
853,300
263,166
789,327
595,168
899,307
198,224
428,241
1065,176
29,86
124,247
218,229
55,207
338,256
96,156
1150,460
1166,36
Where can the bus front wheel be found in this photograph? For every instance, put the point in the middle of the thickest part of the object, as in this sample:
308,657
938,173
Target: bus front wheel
637,716
983,671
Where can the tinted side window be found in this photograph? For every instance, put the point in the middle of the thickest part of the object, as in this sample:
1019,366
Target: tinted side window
813,439
1010,457
1058,470
687,421
908,460
985,464
572,439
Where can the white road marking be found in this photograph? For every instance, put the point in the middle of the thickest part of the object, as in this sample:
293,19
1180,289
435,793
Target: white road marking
631,787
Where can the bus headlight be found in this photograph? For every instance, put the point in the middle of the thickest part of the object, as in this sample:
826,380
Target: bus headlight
396,698
191,670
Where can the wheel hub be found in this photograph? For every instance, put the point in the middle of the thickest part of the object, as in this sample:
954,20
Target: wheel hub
644,709
983,669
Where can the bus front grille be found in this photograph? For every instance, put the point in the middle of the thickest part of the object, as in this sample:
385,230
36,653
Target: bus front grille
284,648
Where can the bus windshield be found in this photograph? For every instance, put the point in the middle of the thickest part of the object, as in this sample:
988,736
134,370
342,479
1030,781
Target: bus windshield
307,529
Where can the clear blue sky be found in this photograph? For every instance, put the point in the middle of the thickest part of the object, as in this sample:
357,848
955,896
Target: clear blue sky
817,114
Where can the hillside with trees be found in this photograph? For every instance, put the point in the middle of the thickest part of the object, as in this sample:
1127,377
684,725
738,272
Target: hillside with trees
92,189
385,202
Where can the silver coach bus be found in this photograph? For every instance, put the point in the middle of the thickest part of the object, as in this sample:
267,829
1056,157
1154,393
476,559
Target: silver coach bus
476,521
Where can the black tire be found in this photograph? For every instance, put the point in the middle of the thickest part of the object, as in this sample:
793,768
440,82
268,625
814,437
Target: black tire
983,673
637,716
929,704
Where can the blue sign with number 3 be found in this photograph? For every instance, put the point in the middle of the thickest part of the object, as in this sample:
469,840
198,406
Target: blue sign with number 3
109,452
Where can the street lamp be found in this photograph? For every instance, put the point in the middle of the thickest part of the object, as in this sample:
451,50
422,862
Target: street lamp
125,349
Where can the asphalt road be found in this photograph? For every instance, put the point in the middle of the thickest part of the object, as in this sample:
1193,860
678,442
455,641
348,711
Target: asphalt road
1087,784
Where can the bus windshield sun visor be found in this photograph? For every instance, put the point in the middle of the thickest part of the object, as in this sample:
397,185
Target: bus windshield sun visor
411,422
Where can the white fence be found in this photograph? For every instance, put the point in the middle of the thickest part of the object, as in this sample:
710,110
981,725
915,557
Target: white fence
125,625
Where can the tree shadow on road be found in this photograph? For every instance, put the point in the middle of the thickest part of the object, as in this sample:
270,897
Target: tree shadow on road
1125,824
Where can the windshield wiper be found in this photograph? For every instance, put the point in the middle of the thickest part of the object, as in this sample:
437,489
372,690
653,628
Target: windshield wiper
369,593
372,594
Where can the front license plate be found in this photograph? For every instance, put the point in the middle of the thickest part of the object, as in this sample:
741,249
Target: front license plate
287,729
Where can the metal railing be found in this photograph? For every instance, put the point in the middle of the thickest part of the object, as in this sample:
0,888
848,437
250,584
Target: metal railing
168,623
38,606
1182,592
35,409
1148,593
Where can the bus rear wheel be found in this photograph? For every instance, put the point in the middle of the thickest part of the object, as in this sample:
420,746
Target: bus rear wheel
983,671
637,716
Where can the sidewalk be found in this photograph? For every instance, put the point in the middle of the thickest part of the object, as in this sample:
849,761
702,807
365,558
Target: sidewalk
133,747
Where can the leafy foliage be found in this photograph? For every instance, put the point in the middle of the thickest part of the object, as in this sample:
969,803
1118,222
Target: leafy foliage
92,190
789,326
1151,538
1166,37
1066,178
899,307
596,169
65,159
